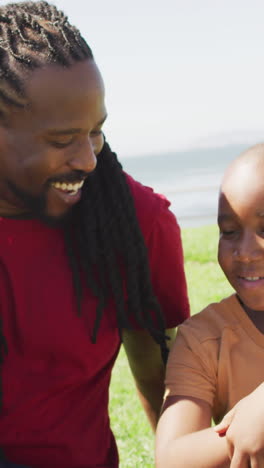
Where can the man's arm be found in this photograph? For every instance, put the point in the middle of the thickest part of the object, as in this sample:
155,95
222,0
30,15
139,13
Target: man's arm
185,439
146,364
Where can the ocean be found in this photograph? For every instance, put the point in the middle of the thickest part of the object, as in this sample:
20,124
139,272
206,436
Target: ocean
189,179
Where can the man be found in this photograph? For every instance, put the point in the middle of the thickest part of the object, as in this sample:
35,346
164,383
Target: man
88,256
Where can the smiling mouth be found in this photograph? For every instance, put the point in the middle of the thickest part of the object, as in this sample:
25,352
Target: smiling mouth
251,278
70,188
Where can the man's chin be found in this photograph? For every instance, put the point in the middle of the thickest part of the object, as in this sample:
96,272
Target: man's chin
39,207
58,221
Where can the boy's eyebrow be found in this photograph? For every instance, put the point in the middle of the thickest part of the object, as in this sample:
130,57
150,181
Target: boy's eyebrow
225,217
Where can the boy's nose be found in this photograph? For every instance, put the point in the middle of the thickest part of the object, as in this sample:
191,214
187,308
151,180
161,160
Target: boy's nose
249,248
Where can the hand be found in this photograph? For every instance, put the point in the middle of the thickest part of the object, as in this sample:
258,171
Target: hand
243,428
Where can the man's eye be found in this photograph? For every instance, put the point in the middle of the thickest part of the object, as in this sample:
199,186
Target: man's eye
96,133
63,143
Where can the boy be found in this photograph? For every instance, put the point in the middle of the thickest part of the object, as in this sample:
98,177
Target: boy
217,358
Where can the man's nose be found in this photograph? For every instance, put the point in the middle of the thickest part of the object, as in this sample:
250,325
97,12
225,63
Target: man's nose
84,159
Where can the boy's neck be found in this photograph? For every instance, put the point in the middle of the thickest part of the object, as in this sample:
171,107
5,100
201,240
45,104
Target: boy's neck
256,316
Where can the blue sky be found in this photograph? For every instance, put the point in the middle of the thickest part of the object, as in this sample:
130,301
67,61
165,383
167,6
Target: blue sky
177,72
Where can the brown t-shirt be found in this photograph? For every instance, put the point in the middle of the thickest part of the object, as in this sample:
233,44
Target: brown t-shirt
218,356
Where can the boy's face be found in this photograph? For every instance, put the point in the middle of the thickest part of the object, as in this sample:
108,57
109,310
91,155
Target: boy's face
241,224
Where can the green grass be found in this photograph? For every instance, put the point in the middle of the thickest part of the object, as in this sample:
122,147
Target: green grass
206,283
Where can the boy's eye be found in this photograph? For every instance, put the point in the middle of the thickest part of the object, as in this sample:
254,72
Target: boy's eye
228,233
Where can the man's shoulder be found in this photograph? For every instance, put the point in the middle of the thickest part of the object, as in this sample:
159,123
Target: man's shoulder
148,204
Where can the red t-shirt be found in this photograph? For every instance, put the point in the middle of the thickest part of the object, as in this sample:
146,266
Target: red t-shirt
55,382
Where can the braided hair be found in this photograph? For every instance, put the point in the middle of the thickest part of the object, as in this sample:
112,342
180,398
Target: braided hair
111,248
33,34
104,240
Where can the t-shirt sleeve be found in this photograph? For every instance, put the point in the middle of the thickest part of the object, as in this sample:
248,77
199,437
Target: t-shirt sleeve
167,269
192,366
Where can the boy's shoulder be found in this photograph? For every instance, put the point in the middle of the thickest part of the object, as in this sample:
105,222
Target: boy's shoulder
213,320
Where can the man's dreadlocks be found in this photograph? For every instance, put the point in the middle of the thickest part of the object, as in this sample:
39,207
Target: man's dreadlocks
105,240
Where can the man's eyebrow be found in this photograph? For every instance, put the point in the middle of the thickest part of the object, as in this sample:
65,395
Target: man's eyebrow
102,121
66,131
73,131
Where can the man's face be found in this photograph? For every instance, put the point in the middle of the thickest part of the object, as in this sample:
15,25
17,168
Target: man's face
241,224
49,148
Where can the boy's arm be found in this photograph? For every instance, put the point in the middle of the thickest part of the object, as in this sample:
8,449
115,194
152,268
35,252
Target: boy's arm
148,369
243,427
185,439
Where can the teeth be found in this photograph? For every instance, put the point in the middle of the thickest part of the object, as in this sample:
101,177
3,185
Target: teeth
253,278
68,187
